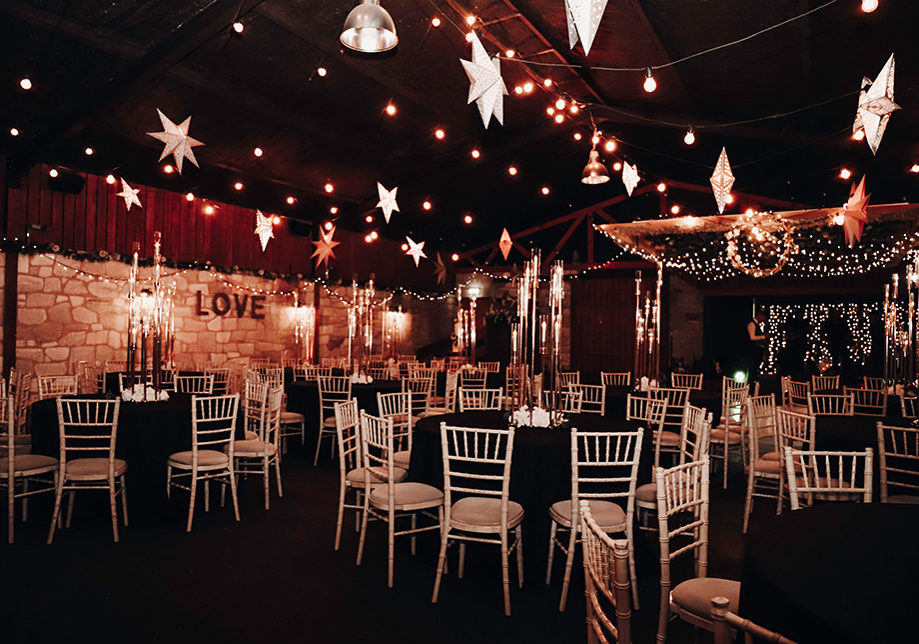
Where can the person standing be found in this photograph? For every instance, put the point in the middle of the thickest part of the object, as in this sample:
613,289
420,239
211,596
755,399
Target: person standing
758,336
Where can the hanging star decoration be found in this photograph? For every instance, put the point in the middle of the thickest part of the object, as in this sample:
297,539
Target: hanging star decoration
853,215
583,21
387,201
324,247
875,106
129,195
415,251
263,228
486,87
440,270
177,141
629,177
722,180
505,243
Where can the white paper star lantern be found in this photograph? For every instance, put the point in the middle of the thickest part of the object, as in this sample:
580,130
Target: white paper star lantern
324,247
387,201
486,87
583,21
263,228
505,243
722,180
440,271
630,177
177,141
415,251
129,195
875,106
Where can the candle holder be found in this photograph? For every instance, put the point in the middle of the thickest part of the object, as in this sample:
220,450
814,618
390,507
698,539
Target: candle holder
647,329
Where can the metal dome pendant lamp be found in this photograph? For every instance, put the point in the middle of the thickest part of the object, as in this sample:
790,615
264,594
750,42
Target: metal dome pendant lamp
369,29
594,172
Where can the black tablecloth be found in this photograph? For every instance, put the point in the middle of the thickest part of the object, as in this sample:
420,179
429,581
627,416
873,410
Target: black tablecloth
616,400
303,397
842,573
541,467
147,434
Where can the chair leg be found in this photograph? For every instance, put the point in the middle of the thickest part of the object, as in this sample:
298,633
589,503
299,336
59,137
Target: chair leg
113,506
727,451
207,495
505,575
277,475
191,501
630,536
519,543
664,617
318,445
266,474
360,544
341,515
748,502
462,559
441,559
569,561
56,515
168,481
414,527
124,499
25,499
10,508
232,477
553,529
391,538
71,495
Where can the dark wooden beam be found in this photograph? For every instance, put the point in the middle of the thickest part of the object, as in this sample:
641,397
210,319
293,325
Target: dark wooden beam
186,38
565,237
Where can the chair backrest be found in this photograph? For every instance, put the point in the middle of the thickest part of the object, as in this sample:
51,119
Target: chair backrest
480,398
593,398
695,433
8,428
676,400
490,367
794,430
724,620
347,424
333,389
686,380
438,364
828,476
91,380
823,383
566,378
451,384
830,404
472,378
734,405
377,449
396,405
115,365
213,424
478,462
898,457
868,402
909,406
274,376
20,389
570,401
421,390
761,414
422,373
798,393
406,369
616,378
255,405
88,428
271,429
604,465
379,373
221,380
683,489
873,383
124,380
56,386
203,385
606,575
646,409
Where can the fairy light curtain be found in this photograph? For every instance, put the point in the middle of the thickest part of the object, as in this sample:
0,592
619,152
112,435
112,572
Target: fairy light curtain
797,243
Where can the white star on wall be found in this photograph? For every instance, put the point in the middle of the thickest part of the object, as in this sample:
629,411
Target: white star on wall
387,201
263,228
177,141
129,195
415,251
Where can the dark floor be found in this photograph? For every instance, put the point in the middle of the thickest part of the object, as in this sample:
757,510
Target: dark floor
275,577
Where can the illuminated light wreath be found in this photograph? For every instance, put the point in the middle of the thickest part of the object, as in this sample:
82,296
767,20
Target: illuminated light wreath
766,237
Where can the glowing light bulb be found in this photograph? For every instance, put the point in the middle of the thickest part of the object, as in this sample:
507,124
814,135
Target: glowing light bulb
650,84
528,87
368,239
391,109
89,152
469,37
545,190
238,27
858,136
510,53
454,257
915,168
257,152
369,219
25,83
470,20
168,169
190,197
373,234
334,210
661,187
275,220
327,225
577,136
574,109
426,205
617,166
559,118
322,71
839,219
329,187
560,104
440,134
518,90
475,154
595,138
14,132
690,137
435,22
290,201
845,173
729,199
52,173
238,186
209,210
512,171
404,246
674,209
610,146
869,5
110,179
467,219
550,111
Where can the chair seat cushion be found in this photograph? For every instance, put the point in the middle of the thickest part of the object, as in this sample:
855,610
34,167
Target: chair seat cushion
483,514
377,475
250,448
251,435
646,493
717,436
772,456
207,458
93,468
767,466
402,458
900,499
329,422
407,496
695,595
608,515
434,411
669,438
29,464
289,417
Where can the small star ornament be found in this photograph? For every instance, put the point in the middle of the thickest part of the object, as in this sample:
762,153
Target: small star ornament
505,244
324,247
486,87
177,141
440,271
387,201
415,251
583,21
629,177
129,195
263,228
854,216
722,180
875,105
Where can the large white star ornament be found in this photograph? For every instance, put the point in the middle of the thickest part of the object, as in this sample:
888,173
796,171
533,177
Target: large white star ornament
629,177
583,21
415,251
324,247
129,195
486,87
387,201
177,141
263,228
875,105
722,180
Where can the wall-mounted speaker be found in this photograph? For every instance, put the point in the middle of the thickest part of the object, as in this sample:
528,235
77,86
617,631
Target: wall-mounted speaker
69,182
299,228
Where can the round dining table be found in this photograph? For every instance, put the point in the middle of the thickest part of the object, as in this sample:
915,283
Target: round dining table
840,572
303,397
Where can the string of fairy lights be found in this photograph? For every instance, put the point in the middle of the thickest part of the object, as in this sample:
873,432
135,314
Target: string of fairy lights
858,318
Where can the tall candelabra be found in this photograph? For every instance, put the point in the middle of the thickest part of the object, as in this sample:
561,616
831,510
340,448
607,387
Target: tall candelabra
647,329
464,326
150,324
304,330
360,324
901,327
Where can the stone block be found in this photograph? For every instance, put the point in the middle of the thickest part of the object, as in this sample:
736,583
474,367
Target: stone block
53,285
97,337
50,369
223,337
45,271
45,333
39,300
84,315
76,300
104,290
73,339
115,339
215,325
83,354
31,317
247,324
34,355
57,354
31,284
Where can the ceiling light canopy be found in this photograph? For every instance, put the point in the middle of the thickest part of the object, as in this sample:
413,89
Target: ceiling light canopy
594,172
369,29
